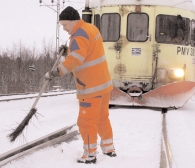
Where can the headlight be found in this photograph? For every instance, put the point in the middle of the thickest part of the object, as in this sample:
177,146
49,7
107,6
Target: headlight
176,73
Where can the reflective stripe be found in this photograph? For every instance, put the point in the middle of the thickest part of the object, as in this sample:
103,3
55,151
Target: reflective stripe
76,55
91,63
94,89
86,153
107,141
107,148
96,37
90,146
64,70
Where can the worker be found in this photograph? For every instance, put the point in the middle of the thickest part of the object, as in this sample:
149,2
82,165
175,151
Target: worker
87,60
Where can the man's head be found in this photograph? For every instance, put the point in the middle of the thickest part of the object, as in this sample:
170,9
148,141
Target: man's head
68,19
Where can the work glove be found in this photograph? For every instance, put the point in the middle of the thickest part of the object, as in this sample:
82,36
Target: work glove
65,49
51,74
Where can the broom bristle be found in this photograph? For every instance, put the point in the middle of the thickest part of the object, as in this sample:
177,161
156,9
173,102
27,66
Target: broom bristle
16,132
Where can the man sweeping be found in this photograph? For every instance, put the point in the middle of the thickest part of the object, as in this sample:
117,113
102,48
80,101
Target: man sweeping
87,60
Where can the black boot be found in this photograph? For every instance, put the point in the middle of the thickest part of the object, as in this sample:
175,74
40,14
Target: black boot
87,160
111,154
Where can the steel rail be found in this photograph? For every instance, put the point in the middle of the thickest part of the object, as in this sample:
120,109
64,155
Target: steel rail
52,139
12,94
30,97
166,157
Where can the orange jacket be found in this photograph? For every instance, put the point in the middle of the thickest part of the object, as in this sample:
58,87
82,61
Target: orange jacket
87,60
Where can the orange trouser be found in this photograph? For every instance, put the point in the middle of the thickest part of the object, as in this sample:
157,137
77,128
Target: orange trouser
93,119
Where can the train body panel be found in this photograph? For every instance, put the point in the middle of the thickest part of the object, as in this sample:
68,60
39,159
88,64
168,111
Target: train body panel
182,4
173,54
148,44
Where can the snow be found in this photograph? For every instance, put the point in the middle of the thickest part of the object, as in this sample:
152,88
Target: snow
137,134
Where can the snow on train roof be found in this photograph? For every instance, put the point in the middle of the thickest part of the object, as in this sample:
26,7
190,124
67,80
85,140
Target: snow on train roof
183,4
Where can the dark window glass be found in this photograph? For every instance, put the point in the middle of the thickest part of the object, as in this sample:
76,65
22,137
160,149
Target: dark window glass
110,27
97,21
193,33
137,27
172,29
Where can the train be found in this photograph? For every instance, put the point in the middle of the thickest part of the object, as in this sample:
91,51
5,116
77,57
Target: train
150,49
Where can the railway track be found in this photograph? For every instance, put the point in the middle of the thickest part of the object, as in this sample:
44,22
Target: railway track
57,137
62,136
30,95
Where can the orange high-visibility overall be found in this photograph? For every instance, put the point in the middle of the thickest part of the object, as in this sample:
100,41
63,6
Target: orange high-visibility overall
93,119
87,60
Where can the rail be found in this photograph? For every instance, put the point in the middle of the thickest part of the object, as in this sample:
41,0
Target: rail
52,139
166,157
28,96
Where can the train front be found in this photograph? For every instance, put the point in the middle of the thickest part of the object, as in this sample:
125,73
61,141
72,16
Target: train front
150,53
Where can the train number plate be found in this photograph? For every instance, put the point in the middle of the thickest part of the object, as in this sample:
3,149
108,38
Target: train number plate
136,51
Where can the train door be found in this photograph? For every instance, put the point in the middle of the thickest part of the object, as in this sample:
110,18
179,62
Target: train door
137,49
128,43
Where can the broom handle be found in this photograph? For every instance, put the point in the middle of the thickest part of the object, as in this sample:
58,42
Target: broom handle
47,80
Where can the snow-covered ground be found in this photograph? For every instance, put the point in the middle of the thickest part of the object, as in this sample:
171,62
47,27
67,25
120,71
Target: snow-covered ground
137,134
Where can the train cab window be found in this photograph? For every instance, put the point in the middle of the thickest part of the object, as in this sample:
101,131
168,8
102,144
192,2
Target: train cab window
110,27
193,33
97,21
172,29
137,27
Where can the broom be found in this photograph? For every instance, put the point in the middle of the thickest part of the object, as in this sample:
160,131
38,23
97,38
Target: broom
16,132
